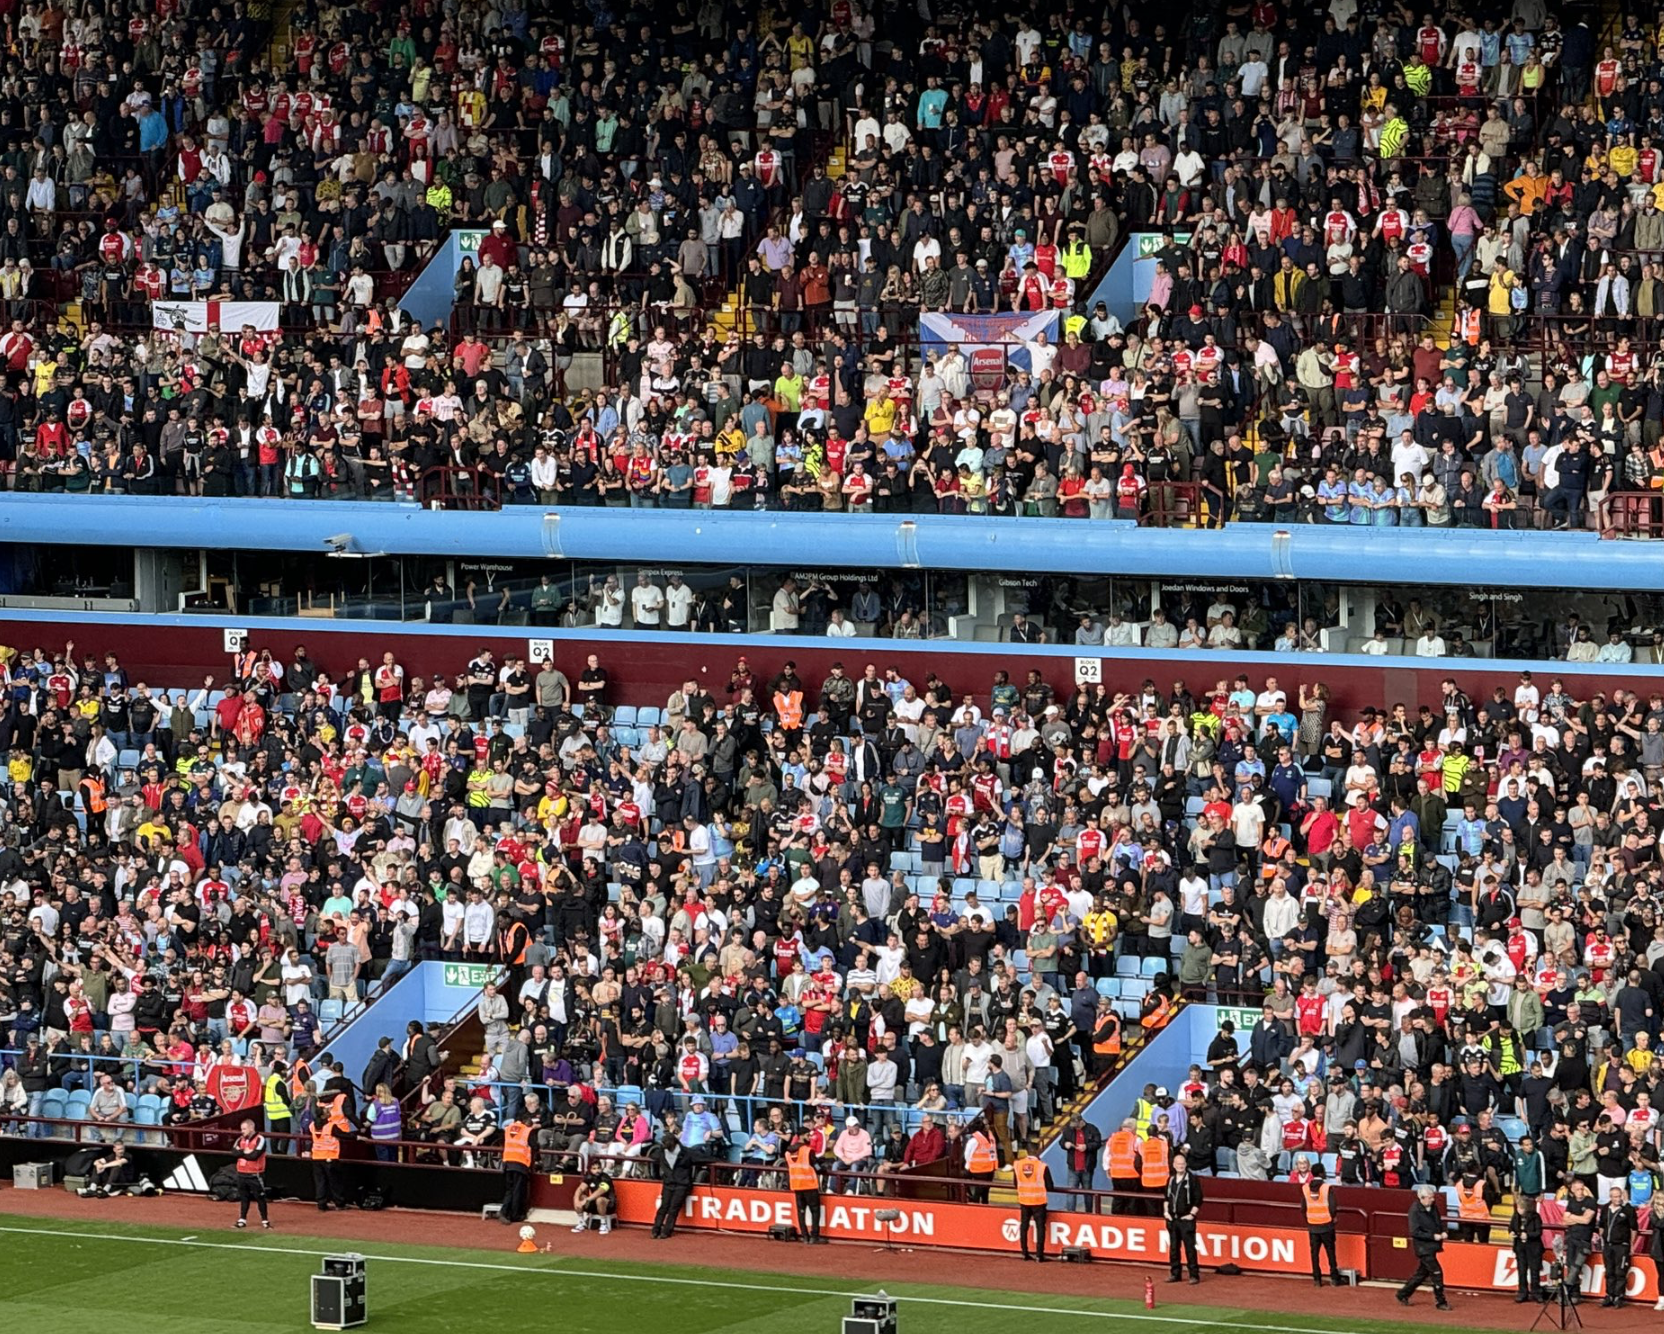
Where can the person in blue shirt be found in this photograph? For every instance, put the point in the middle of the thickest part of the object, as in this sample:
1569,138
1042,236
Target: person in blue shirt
1384,498
932,102
1360,497
1288,779
1250,766
1471,832
1282,724
1332,494
702,1131
1403,828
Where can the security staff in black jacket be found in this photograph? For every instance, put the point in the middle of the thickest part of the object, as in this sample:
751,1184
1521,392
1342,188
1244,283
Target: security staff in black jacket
1427,1233
1526,1230
1181,1209
1618,1226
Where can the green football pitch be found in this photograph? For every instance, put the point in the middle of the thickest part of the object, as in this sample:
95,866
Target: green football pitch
66,1276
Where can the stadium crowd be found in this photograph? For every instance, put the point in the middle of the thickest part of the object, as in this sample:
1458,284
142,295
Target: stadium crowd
1323,178
857,902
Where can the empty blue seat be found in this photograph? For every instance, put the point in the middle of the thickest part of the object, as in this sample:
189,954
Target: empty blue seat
1127,966
1318,787
965,884
624,716
649,717
624,1094
1011,891
1109,986
1135,988
1127,1009
1154,966
329,1011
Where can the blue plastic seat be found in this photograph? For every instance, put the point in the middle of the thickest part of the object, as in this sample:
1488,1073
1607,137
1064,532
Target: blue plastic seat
649,717
1110,987
1154,966
624,716
329,1011
1126,966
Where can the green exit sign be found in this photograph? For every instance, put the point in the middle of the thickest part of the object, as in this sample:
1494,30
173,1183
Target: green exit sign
470,975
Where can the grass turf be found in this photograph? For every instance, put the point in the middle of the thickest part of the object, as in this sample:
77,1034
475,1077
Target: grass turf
57,1275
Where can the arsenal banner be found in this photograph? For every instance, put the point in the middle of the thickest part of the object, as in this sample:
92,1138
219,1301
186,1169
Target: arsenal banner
200,317
989,342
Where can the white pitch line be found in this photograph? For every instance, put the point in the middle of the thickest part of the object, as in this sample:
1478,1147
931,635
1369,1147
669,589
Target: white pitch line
613,1277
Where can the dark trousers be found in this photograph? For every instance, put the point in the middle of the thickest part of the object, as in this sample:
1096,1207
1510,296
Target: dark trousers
808,1213
1034,1214
1428,1270
1181,1241
671,1200
327,1188
1528,1256
1321,1241
977,1192
517,1189
276,1127
1617,1275
251,1189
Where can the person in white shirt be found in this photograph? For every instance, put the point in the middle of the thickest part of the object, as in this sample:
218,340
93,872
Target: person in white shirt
1375,645
646,602
678,603
609,603
1161,633
838,628
1431,643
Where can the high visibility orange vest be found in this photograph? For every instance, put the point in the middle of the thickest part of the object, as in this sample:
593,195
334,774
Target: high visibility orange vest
517,1144
92,793
1031,1182
789,706
980,1159
1159,1016
1153,1163
1106,1037
1470,1204
326,1148
1123,1154
1318,1212
800,1169
1467,325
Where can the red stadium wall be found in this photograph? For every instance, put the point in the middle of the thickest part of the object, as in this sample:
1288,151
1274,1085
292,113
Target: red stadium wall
165,653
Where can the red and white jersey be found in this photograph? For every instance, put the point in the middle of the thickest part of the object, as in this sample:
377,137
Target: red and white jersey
113,247
1420,255
339,56
1060,162
70,55
191,80
1392,224
1620,365
1467,73
1431,44
1646,166
1183,360
553,49
1103,164
137,27
304,48
1063,292
1208,358
767,166
1346,370
1338,226
255,101
282,105
1606,77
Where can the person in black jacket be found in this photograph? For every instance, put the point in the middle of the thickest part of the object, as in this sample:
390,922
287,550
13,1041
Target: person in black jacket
1427,1234
1181,1210
1526,1229
1617,1240
675,1164
421,1055
381,1066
